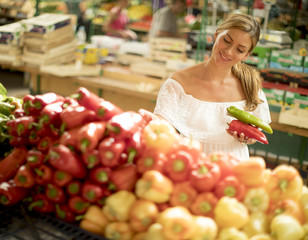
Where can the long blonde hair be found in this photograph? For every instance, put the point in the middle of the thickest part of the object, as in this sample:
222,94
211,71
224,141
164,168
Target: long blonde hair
249,77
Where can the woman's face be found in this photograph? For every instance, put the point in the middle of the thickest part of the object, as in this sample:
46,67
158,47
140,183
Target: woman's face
231,46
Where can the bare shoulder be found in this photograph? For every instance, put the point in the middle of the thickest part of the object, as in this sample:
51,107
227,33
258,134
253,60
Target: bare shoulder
185,75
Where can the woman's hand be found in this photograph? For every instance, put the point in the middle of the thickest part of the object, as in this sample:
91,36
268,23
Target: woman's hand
241,137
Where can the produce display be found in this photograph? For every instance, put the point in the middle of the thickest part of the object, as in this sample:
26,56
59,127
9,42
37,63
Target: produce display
129,175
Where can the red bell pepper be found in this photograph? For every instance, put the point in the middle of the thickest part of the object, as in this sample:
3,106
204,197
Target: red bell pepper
124,125
91,158
231,187
64,213
50,114
88,136
18,113
204,204
193,147
84,138
92,192
107,110
20,126
55,193
183,194
107,192
100,175
225,161
63,159
42,100
44,143
134,147
151,160
10,194
110,150
35,158
124,177
41,204
68,101
248,130
33,138
11,163
179,165
43,174
16,141
46,130
61,178
147,115
205,176
73,188
24,177
87,99
74,116
78,205
28,106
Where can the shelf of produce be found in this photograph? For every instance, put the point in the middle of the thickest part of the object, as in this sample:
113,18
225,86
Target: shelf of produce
17,222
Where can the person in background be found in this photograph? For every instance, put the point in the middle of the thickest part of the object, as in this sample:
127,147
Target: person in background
80,11
195,99
117,23
164,23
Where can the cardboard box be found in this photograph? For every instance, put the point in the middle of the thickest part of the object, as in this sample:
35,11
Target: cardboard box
11,33
46,23
287,58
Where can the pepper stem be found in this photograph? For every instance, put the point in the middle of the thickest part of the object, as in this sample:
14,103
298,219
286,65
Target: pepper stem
84,144
230,191
113,128
60,212
38,203
178,165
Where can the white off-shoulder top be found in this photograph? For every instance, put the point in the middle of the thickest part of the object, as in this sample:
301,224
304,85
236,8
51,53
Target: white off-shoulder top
204,121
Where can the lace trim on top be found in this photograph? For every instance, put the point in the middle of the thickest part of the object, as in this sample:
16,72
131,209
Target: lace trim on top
201,120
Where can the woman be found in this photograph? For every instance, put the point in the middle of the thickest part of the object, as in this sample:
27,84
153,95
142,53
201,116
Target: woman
195,100
116,24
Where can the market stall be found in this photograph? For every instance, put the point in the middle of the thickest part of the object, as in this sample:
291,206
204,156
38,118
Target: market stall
83,156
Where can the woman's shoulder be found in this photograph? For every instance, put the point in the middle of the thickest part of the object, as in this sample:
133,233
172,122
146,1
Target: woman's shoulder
185,75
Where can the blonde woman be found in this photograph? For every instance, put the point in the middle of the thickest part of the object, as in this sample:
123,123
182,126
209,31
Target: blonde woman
195,100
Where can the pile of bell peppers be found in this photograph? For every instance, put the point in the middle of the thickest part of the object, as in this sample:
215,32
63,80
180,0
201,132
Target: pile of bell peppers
130,175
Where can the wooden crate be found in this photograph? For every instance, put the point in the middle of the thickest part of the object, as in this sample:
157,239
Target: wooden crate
294,116
162,49
149,68
43,44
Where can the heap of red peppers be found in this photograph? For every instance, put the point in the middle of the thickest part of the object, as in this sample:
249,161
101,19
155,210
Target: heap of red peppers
70,152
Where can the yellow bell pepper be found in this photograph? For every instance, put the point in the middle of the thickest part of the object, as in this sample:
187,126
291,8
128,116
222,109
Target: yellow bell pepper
284,182
118,231
256,200
139,236
206,228
118,205
143,213
160,134
261,237
251,172
177,223
229,212
232,234
154,186
155,232
258,223
287,206
303,201
286,227
94,220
